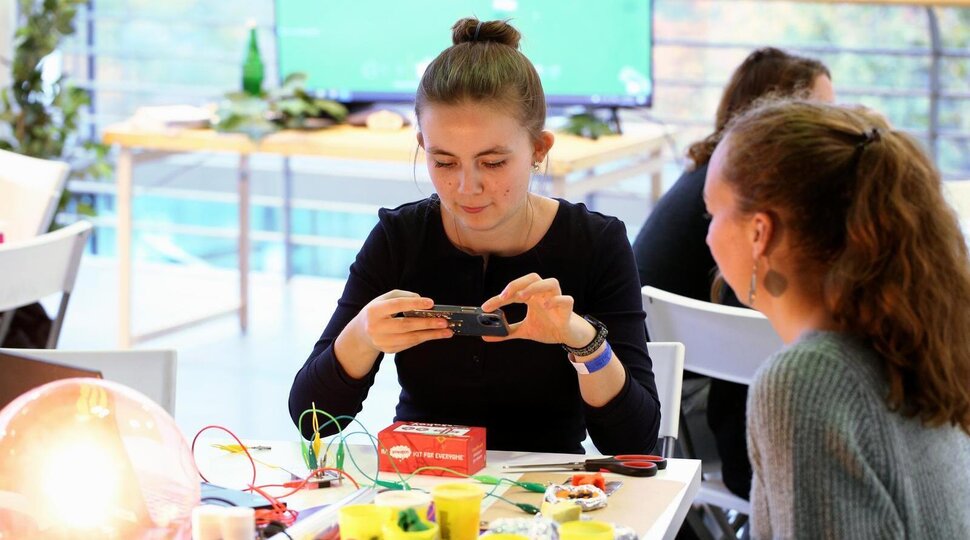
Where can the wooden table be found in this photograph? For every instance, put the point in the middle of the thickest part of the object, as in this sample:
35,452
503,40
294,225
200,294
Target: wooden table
577,168
654,507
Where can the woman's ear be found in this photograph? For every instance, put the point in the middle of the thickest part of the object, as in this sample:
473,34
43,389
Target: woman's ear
762,234
420,140
543,144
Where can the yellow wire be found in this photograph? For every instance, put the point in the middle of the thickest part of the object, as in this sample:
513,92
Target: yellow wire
236,449
316,436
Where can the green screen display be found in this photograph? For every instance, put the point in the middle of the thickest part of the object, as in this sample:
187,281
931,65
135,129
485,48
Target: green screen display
370,50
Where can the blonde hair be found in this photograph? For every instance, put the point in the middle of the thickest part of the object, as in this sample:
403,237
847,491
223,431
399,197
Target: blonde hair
864,209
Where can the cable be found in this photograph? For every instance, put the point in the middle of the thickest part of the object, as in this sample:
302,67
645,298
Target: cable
220,499
297,486
279,512
231,434
534,487
376,480
492,481
341,436
404,481
236,449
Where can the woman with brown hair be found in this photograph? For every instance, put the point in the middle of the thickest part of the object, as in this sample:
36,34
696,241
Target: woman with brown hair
833,225
670,249
575,359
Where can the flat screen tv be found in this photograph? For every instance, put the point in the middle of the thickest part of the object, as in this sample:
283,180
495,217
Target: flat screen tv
588,53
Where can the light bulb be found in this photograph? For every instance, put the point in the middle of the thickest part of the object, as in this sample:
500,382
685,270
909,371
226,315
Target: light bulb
86,458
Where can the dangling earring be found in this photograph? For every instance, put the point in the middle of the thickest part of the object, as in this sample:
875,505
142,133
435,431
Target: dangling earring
535,166
753,285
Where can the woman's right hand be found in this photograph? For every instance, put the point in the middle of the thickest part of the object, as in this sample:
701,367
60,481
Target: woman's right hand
383,332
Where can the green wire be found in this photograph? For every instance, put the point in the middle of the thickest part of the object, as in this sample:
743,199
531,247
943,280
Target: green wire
376,480
374,442
308,457
404,482
492,481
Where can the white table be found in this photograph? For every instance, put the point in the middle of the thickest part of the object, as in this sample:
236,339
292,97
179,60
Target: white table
575,170
679,482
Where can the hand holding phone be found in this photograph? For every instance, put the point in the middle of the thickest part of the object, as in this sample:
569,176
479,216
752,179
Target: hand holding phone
466,321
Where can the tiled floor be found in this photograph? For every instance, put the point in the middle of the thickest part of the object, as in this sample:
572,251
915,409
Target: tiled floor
240,381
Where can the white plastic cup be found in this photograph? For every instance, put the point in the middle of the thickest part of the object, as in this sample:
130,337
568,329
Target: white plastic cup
205,522
238,523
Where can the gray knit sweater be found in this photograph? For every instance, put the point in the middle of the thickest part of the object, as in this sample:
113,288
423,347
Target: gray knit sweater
832,461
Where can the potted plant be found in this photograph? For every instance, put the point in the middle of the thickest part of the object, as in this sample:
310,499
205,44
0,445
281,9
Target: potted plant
38,116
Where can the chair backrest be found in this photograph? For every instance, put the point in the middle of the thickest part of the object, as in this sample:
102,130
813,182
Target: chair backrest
151,372
668,371
725,342
30,189
39,267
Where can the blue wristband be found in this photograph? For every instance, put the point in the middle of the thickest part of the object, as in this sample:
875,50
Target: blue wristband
594,365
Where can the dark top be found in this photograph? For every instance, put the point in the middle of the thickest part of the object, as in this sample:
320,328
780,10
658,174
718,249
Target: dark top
670,248
672,255
525,393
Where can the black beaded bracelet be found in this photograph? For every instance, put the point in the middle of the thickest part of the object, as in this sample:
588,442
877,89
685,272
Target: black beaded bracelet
593,345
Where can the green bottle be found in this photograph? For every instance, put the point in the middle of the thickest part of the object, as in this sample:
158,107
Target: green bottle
252,73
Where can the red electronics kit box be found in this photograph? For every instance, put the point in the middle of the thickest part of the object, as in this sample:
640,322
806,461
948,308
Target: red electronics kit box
411,445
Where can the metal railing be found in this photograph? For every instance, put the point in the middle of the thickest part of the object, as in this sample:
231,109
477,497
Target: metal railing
933,92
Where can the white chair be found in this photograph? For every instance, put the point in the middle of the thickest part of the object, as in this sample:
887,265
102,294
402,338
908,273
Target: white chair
668,371
725,342
30,189
39,267
151,372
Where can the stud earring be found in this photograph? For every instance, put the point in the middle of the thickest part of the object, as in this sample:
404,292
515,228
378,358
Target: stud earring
753,285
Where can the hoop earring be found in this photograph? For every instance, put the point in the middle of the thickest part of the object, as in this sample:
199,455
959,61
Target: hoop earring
753,285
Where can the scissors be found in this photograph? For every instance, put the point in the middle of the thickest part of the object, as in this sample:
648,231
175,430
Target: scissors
627,465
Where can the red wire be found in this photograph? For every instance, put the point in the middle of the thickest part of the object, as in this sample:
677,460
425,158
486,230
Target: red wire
231,434
303,483
279,512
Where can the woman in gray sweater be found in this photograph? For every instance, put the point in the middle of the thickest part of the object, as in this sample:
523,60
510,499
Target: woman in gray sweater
833,225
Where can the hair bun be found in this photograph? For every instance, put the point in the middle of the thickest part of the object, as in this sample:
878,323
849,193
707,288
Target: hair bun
470,29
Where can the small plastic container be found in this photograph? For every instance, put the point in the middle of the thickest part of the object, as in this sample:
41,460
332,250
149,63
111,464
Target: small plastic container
395,501
457,507
586,530
393,532
361,522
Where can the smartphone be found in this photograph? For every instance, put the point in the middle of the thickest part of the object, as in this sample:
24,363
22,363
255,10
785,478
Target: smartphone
466,321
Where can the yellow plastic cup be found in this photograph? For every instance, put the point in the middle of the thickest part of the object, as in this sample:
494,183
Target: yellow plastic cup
361,522
393,532
586,530
457,507
394,502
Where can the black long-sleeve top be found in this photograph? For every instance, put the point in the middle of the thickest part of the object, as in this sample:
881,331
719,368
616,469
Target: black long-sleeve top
672,255
670,248
525,393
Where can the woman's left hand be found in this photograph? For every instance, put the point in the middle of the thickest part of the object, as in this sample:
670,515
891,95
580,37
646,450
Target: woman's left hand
549,317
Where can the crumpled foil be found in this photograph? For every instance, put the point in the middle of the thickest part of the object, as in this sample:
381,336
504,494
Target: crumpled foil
587,497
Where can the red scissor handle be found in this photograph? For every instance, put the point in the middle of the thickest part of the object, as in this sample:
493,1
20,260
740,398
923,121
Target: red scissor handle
627,468
659,460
